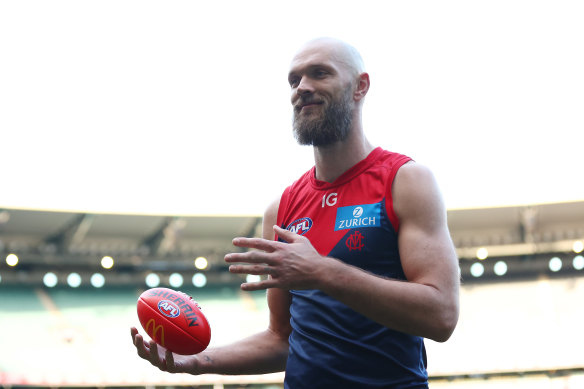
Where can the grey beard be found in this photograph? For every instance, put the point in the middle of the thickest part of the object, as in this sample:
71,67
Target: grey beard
334,126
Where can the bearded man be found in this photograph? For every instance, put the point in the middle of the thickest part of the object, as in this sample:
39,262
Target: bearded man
356,256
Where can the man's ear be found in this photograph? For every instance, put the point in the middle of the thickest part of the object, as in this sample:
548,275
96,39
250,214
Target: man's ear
362,86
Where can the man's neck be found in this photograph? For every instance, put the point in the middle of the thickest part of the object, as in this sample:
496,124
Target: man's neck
334,160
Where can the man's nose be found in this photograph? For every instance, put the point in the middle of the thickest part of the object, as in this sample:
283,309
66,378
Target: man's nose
304,86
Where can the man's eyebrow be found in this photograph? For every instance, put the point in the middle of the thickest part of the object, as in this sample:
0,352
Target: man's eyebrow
308,68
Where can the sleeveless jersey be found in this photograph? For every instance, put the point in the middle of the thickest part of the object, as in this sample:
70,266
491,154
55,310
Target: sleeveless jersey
351,219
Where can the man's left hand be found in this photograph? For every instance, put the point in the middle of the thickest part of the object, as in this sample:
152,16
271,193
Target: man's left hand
291,265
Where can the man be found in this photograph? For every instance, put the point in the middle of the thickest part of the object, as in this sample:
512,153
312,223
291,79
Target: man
363,267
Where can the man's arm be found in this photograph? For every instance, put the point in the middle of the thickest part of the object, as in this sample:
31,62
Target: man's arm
427,304
264,352
424,305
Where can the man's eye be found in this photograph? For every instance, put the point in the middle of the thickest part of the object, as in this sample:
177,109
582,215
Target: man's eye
293,81
320,73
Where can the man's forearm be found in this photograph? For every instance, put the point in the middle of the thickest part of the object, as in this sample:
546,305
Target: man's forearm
404,306
265,352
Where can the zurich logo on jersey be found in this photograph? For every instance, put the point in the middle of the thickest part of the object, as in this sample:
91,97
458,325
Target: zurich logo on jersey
358,216
300,226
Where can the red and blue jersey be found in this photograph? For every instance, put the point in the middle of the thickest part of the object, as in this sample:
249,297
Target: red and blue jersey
351,219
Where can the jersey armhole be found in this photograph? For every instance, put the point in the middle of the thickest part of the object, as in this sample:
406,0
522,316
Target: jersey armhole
282,209
398,163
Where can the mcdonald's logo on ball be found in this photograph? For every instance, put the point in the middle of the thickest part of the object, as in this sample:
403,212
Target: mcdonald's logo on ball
155,331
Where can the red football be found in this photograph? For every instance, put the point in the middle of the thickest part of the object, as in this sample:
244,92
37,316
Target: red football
174,320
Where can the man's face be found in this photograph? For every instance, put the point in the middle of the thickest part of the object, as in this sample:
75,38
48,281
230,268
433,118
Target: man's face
322,98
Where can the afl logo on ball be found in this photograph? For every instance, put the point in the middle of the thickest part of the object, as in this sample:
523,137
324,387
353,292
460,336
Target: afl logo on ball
168,308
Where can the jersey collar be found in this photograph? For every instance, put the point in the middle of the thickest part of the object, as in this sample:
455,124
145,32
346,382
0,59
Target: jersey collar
347,176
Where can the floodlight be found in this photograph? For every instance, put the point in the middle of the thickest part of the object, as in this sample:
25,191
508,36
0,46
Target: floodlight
175,280
50,280
74,280
477,269
578,262
97,280
482,253
152,280
500,268
555,264
107,262
252,278
12,259
199,280
201,263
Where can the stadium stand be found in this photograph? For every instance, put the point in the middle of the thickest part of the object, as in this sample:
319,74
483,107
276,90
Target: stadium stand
519,330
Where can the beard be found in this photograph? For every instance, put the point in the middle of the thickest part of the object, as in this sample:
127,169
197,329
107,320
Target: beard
332,126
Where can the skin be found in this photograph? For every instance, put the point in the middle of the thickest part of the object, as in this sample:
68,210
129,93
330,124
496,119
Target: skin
427,304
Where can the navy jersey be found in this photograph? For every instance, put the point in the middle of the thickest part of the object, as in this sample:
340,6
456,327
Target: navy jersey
351,219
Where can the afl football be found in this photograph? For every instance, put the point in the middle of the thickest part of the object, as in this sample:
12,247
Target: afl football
174,320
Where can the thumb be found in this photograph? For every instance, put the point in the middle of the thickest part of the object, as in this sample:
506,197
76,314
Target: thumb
287,236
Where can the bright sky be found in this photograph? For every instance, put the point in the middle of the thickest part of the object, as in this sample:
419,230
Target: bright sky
182,107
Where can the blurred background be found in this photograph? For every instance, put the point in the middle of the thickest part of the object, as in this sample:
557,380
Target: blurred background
137,138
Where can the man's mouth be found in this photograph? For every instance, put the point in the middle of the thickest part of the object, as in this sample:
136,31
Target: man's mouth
308,104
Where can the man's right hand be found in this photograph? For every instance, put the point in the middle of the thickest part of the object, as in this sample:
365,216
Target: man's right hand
162,358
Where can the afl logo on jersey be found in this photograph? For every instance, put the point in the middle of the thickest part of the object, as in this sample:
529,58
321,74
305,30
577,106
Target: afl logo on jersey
300,226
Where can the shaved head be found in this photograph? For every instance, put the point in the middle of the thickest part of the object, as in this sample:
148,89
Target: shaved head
340,51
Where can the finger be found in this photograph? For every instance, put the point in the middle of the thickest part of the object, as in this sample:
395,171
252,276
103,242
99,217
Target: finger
256,243
133,332
287,236
170,361
154,358
257,270
250,257
138,341
141,347
265,284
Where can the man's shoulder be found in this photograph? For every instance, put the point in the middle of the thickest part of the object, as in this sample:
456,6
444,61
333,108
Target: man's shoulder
391,157
388,163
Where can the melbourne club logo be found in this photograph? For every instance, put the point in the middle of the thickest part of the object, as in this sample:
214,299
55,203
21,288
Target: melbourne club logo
168,308
300,226
355,241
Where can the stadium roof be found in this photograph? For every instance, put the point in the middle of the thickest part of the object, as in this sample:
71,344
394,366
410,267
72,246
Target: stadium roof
140,243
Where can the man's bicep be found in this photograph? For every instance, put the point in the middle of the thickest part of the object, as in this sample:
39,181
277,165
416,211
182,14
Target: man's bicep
427,256
425,246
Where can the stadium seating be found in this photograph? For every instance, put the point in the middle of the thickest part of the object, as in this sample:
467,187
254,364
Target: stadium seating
81,336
